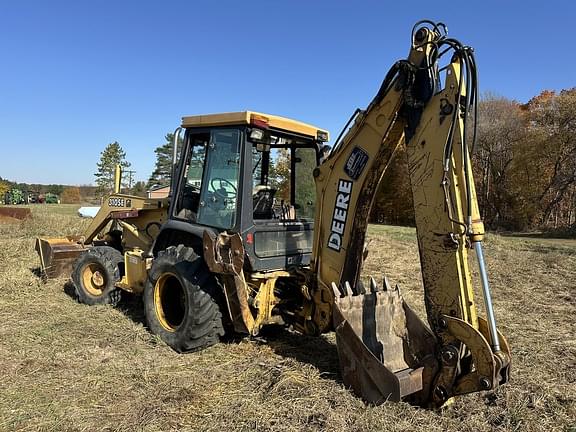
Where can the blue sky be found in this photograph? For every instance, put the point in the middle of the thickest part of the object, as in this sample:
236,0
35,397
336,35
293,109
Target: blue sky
78,75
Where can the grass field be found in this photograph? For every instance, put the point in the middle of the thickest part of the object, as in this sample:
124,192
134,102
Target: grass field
70,367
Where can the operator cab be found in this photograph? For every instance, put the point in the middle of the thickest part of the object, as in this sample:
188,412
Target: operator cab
251,173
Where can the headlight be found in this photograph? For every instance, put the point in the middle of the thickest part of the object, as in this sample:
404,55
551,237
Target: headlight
256,134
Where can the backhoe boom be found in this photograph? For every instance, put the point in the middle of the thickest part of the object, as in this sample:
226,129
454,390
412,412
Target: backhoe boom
457,354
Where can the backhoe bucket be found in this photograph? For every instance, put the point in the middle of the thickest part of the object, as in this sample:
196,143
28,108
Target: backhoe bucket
386,352
57,255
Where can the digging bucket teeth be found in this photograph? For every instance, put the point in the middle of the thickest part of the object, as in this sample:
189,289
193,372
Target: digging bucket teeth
57,255
386,352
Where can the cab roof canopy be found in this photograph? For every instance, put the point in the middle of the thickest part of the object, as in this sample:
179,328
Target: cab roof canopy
256,118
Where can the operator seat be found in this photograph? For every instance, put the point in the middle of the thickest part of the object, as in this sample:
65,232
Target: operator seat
189,203
263,201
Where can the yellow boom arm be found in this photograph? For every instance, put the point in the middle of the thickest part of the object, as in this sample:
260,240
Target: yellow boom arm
461,353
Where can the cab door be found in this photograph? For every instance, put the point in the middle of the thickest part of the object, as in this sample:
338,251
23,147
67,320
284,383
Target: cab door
208,192
220,180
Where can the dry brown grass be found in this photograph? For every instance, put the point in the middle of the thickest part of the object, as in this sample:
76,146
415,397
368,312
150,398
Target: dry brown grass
70,367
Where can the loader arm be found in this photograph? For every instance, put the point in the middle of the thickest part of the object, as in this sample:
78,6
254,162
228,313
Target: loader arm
138,217
459,353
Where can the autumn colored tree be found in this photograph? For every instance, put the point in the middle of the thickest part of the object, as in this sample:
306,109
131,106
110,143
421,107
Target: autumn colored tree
393,202
89,194
501,130
70,195
524,165
4,187
279,172
552,121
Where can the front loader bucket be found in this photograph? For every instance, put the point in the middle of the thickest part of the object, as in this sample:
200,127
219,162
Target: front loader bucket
386,352
18,213
57,255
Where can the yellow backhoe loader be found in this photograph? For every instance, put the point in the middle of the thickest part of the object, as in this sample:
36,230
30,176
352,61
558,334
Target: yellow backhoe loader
266,223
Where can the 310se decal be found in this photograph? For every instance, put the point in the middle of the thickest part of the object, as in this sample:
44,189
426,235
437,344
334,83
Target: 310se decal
119,202
340,214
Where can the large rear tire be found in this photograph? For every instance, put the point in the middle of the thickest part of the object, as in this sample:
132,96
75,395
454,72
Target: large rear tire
182,301
94,275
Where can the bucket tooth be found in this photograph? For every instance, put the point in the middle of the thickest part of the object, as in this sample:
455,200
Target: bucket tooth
348,289
337,292
386,284
373,285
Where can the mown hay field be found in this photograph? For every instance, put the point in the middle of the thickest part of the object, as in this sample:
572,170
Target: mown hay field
71,367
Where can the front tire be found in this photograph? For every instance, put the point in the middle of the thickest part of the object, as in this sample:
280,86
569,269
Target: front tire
182,301
95,273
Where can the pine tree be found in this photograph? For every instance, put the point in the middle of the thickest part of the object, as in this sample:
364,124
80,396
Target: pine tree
139,189
163,169
109,158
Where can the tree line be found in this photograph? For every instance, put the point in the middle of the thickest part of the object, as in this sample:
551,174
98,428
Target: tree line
524,163
114,155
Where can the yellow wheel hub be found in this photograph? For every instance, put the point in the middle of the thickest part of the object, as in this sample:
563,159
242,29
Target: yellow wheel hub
93,279
169,301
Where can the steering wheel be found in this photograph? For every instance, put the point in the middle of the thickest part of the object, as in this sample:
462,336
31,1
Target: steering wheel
222,182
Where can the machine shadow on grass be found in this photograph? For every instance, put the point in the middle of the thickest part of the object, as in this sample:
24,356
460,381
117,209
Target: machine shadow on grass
316,351
37,271
133,307
130,305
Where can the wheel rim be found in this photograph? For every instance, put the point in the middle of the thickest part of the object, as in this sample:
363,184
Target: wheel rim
169,301
94,279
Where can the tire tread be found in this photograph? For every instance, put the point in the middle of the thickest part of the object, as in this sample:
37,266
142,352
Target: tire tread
203,322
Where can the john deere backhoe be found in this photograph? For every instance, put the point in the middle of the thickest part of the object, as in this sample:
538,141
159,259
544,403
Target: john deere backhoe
265,224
